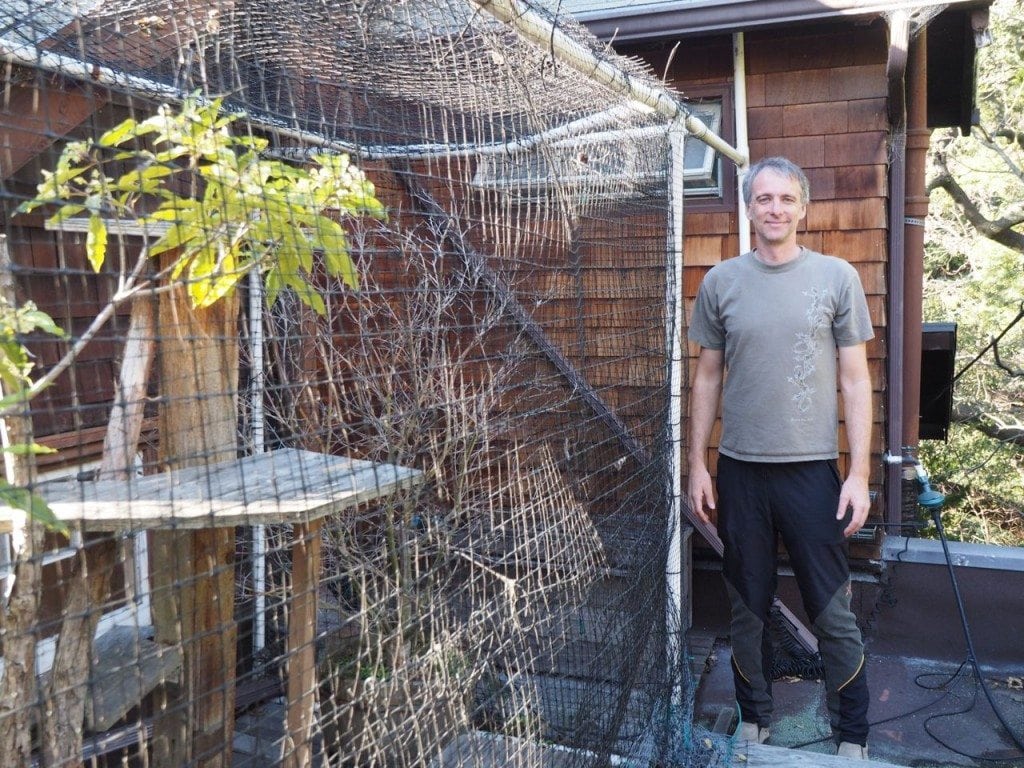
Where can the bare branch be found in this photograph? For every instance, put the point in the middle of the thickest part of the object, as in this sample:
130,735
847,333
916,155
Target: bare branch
1001,364
998,230
995,340
994,146
974,415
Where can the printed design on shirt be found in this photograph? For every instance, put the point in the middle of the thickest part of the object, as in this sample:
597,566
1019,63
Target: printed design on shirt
806,349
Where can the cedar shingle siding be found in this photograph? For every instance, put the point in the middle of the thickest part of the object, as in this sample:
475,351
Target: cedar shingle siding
818,96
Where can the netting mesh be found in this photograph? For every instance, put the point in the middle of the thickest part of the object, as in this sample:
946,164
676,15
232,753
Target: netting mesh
395,493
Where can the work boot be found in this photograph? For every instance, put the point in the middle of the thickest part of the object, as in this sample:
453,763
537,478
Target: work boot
849,749
752,732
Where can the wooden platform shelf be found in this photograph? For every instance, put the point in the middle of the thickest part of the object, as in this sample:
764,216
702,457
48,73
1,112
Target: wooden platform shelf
286,486
282,486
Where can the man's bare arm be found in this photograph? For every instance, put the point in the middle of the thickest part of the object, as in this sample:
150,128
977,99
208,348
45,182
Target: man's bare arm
855,384
704,394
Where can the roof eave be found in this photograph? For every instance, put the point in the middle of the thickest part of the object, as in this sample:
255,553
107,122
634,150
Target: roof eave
625,24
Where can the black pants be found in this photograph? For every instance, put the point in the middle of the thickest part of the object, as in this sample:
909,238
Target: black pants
757,503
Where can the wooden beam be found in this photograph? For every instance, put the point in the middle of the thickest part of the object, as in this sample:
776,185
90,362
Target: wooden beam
124,427
283,486
525,320
193,589
36,117
117,227
19,617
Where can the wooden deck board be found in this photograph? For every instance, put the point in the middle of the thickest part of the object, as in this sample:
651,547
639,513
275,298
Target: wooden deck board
126,666
283,486
767,756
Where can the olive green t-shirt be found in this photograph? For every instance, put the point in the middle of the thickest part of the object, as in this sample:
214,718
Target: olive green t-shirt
780,327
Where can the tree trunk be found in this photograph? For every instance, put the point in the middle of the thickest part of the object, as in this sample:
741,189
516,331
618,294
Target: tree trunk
20,615
67,690
193,574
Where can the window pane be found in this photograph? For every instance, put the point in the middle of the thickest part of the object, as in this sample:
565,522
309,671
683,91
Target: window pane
702,177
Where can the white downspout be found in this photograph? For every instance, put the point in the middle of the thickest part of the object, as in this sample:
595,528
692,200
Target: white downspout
739,76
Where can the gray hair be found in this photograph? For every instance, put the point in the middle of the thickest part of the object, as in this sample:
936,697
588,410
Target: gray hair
782,166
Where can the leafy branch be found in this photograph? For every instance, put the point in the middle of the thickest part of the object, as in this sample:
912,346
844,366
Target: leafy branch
226,208
15,380
223,210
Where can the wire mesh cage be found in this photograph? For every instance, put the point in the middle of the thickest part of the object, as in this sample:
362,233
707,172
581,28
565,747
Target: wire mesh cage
337,345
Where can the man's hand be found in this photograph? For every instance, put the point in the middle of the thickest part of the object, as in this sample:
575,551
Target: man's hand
701,491
854,496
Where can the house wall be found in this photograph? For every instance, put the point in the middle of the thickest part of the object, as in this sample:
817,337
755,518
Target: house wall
594,290
818,96
51,270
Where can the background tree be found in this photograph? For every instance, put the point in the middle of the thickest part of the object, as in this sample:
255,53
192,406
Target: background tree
974,269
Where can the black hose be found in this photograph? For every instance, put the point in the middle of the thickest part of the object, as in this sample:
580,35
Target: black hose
972,657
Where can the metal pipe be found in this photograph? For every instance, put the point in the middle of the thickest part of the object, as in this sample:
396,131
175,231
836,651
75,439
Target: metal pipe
674,308
259,537
542,32
739,77
916,211
899,40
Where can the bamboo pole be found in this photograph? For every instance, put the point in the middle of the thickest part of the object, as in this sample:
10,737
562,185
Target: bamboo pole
542,32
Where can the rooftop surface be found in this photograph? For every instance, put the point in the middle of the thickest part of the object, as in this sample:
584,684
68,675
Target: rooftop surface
927,708
923,712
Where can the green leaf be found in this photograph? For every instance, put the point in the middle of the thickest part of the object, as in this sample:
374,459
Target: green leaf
206,293
306,293
28,449
42,513
272,285
66,212
119,133
178,235
336,252
65,174
211,279
13,377
30,205
176,209
12,400
96,242
34,505
41,321
143,180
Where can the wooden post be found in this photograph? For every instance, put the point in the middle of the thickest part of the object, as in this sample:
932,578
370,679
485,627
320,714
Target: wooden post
193,572
302,678
127,414
306,552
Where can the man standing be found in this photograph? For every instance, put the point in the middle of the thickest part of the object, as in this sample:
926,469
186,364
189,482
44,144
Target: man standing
780,326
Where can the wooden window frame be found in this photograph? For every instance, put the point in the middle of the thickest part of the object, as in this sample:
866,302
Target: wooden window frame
726,201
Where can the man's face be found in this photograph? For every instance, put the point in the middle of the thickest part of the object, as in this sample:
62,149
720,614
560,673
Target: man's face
775,208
